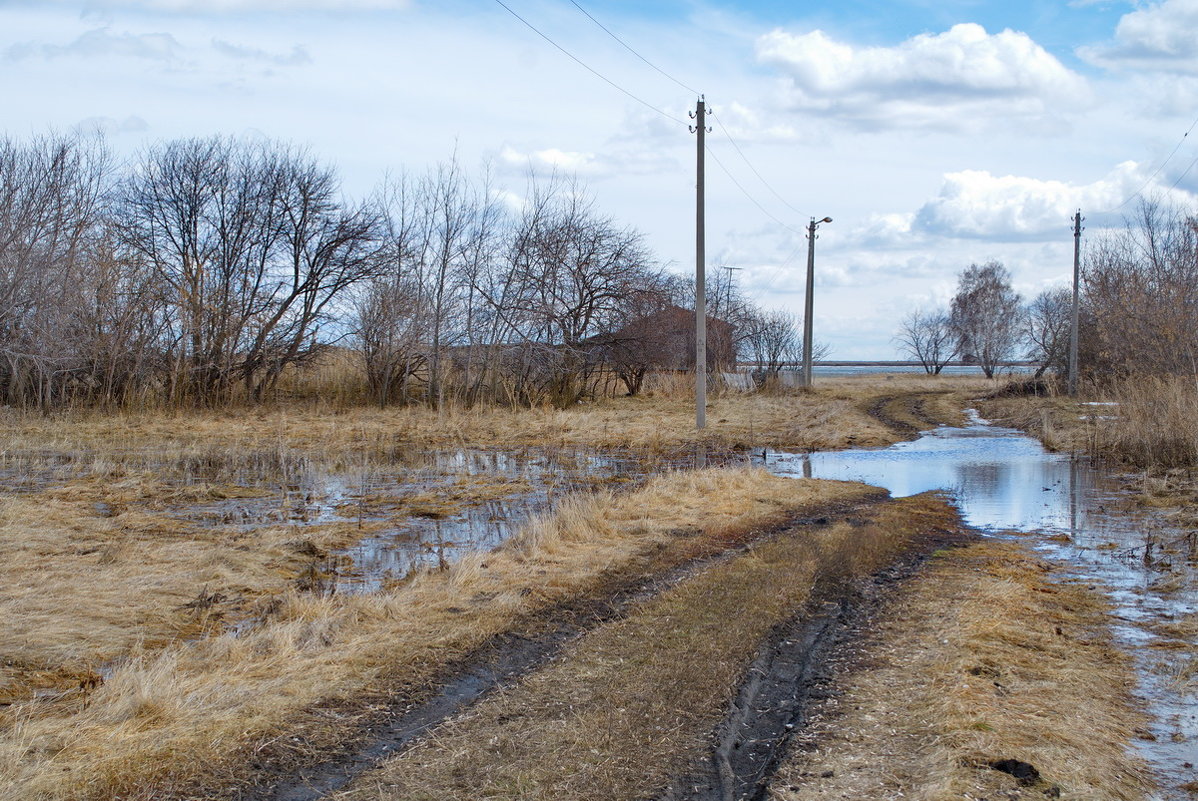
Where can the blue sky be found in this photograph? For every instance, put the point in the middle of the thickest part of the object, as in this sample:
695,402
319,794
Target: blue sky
935,133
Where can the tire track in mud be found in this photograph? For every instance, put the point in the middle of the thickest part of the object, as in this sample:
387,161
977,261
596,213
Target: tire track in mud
905,414
610,720
396,722
790,674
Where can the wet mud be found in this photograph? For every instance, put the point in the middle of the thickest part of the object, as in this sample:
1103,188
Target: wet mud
394,721
792,672
905,414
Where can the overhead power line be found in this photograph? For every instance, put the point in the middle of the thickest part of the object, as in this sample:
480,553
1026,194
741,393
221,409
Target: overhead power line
760,177
1184,173
587,67
669,116
630,49
723,129
745,192
1157,172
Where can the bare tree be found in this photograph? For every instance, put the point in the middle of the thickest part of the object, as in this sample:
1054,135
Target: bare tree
573,270
392,313
775,342
1141,294
323,249
51,203
249,245
1047,321
928,338
985,315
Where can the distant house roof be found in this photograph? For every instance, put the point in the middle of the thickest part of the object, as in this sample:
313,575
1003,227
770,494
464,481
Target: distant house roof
665,340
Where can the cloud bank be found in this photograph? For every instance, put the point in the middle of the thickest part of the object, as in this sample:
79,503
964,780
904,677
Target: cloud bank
1159,37
945,80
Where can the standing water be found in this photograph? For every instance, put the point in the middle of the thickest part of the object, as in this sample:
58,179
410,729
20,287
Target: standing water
1004,481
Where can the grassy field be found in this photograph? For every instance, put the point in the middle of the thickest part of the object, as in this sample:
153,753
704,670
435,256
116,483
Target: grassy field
148,652
170,709
834,415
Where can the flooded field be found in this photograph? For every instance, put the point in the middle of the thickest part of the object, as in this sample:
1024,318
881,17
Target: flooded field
1004,482
415,507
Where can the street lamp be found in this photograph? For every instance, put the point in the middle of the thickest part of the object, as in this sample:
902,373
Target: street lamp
807,314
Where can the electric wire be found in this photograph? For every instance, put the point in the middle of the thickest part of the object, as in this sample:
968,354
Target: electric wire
745,192
587,67
720,123
1162,166
669,116
630,49
772,282
1185,173
760,177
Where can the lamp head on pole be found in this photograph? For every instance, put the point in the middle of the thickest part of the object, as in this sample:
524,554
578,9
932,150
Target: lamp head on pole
826,219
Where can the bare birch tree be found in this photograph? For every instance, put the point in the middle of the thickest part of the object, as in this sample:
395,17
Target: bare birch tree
928,338
985,315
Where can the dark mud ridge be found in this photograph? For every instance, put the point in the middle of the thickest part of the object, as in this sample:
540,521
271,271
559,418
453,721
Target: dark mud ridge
904,414
789,675
275,774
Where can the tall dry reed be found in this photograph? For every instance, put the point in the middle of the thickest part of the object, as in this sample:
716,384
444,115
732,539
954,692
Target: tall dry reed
1156,425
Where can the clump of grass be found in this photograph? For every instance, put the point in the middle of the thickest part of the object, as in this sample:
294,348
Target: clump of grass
1158,423
180,712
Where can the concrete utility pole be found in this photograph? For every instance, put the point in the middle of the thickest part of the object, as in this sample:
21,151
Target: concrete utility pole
1077,247
727,310
699,115
809,308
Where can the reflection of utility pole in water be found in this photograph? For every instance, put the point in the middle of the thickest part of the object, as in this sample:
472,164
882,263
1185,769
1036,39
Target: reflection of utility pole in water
806,465
442,562
700,455
1073,473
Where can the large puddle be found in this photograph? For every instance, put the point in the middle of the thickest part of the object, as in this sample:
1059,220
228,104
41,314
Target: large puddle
1004,481
405,509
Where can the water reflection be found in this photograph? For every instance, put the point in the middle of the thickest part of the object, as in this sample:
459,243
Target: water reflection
1003,480
1000,479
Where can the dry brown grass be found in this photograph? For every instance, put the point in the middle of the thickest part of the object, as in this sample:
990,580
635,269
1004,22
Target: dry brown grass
79,589
834,415
990,656
631,705
1059,422
169,716
1145,422
1158,423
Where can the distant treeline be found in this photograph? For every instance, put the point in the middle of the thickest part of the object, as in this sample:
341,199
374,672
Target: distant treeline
205,270
1137,315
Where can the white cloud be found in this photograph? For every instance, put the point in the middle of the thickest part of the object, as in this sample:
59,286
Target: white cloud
746,125
1160,37
552,159
111,126
297,56
976,204
886,230
102,43
948,80
620,161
